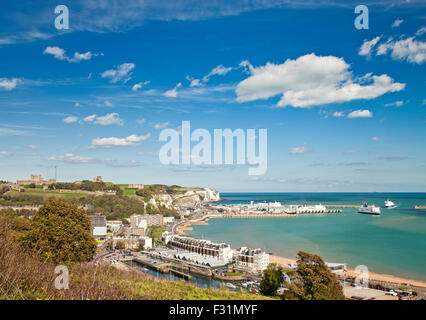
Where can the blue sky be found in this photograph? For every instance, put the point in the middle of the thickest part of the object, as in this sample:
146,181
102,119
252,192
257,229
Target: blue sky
344,108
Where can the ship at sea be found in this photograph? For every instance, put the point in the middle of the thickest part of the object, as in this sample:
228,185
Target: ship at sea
366,209
389,204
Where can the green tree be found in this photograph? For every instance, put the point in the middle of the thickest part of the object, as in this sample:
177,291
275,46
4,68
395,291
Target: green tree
272,279
9,220
62,233
120,245
314,281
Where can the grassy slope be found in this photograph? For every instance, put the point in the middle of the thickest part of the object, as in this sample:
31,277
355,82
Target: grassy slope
36,280
67,194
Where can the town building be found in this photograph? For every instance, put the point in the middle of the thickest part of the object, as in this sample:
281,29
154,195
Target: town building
132,242
36,179
135,186
168,220
129,231
253,259
99,226
98,179
220,251
151,220
114,225
166,237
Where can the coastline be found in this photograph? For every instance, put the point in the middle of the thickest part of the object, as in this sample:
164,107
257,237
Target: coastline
284,261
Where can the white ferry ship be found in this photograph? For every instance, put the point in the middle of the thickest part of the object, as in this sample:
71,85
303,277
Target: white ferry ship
389,204
366,209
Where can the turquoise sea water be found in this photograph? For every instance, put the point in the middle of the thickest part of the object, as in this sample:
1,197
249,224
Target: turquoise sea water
392,243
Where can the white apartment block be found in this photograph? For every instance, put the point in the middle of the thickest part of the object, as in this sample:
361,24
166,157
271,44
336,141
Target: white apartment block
253,259
220,251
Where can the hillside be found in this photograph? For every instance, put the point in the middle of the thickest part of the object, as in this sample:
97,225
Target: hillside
158,195
26,276
126,201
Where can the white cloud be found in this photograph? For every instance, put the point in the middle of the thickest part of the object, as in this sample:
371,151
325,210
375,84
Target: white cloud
139,85
360,114
77,104
9,84
312,80
159,126
140,121
395,104
107,103
194,82
59,53
367,46
108,119
421,31
172,93
397,23
376,138
14,132
299,150
70,119
56,52
122,73
131,140
90,118
338,114
246,65
33,147
71,158
218,70
409,49
6,153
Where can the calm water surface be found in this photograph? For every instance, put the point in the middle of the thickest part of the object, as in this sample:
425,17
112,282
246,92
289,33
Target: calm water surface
393,243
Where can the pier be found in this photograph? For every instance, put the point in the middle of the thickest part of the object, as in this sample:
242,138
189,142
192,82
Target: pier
419,207
244,215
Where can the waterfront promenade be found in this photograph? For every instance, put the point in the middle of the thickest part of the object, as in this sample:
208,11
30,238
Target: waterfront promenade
385,278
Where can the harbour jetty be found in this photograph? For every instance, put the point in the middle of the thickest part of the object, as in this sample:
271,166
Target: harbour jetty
420,207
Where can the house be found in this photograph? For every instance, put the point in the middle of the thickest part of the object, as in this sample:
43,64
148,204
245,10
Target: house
151,220
255,260
114,225
168,220
99,226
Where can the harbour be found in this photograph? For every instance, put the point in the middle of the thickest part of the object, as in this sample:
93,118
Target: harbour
348,236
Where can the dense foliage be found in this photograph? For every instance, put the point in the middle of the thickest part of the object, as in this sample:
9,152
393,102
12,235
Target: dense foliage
313,280
61,232
22,198
17,225
272,280
87,186
113,207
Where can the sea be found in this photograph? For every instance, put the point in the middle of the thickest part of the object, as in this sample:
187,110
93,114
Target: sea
393,243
